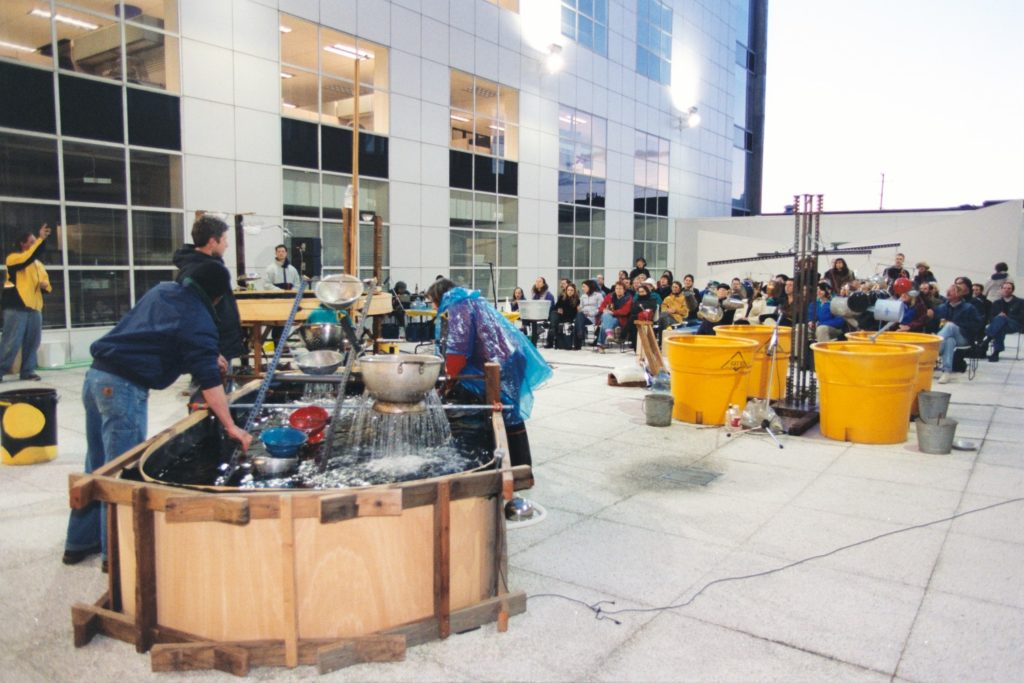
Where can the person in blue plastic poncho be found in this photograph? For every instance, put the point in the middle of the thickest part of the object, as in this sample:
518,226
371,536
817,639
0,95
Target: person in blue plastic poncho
478,334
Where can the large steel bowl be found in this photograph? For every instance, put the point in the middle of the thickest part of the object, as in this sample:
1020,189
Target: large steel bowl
534,309
400,379
319,362
318,336
339,291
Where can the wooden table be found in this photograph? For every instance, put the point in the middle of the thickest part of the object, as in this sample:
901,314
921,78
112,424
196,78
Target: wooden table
261,310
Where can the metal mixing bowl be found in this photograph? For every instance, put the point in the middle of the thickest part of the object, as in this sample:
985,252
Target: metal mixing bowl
274,467
339,291
319,362
519,510
318,336
400,378
534,309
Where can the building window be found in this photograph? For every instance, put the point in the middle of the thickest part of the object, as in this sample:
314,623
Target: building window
484,233
586,22
133,42
313,204
650,200
318,77
743,137
484,117
654,40
582,164
484,178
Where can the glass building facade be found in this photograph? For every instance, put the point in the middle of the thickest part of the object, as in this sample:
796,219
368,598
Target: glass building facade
485,157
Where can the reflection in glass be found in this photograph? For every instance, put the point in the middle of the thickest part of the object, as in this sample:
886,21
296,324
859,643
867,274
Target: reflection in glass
97,236
156,179
94,174
87,43
159,13
298,43
21,33
459,242
299,94
146,280
28,167
333,248
90,109
54,311
155,237
301,194
98,297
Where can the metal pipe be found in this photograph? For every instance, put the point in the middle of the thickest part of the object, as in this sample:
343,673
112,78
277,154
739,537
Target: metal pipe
304,404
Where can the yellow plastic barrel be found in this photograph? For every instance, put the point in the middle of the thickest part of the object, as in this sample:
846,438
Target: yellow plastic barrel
866,390
929,342
760,373
708,373
28,426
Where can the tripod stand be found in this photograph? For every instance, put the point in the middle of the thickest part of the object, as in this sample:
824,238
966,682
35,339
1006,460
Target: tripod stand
767,420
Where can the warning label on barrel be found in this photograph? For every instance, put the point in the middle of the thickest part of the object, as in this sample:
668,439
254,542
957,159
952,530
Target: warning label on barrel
736,363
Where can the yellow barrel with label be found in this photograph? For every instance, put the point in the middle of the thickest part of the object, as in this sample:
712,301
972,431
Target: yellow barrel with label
761,372
925,366
866,390
28,418
708,374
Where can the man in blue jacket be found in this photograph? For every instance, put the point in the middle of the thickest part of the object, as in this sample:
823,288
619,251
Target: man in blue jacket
170,331
960,325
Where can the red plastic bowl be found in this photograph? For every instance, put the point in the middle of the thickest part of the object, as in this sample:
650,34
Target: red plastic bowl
309,419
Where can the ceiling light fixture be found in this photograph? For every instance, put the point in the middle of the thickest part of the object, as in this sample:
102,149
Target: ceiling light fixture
461,119
284,29
285,74
70,21
348,51
288,105
14,46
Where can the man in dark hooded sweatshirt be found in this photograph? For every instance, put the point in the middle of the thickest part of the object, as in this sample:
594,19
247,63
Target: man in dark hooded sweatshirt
210,241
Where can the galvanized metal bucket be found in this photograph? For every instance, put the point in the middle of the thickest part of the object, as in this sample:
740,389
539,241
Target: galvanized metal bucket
933,405
936,437
658,409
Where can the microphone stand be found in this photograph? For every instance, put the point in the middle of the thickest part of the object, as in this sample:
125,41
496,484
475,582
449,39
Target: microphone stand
494,283
766,423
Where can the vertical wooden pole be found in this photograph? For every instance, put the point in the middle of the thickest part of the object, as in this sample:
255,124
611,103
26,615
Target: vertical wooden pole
492,383
442,559
239,246
145,570
113,560
291,618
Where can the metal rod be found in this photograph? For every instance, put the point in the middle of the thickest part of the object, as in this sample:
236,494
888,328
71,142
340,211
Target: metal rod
303,404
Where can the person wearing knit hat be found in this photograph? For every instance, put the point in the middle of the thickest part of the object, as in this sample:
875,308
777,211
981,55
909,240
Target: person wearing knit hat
170,331
923,274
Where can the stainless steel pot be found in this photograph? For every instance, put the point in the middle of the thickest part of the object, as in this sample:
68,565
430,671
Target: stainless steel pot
318,336
339,291
400,378
534,309
269,466
733,303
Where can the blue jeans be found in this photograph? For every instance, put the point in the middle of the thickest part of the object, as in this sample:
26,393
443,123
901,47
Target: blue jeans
608,323
115,421
997,330
23,329
952,337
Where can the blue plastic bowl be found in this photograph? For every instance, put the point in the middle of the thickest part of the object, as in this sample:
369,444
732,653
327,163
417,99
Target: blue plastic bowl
283,442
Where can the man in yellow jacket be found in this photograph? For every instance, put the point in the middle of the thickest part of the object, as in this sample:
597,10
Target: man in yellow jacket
23,303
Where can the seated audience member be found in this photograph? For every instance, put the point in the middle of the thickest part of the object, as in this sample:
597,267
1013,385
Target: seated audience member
994,286
1007,318
614,312
590,301
923,275
640,268
827,326
916,316
959,325
564,311
755,308
708,326
674,309
785,306
540,290
838,275
601,286
692,297
664,286
980,301
517,295
645,307
929,295
896,271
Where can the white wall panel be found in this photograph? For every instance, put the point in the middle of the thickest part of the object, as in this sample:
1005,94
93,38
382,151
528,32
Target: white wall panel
207,72
208,128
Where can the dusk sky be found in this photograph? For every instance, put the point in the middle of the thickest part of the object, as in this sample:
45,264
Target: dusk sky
929,92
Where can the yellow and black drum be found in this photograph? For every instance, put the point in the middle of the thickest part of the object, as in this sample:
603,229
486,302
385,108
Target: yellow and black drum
29,421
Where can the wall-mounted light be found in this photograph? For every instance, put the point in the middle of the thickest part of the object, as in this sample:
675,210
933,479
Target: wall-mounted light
690,119
285,74
554,61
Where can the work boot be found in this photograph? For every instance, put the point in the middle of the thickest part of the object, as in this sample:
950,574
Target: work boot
994,358
76,556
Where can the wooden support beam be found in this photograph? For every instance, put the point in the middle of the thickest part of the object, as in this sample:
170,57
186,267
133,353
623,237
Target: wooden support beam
376,648
113,560
337,508
492,383
145,570
227,509
442,559
88,621
289,591
200,657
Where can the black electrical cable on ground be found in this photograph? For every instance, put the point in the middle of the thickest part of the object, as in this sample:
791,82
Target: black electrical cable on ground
600,613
